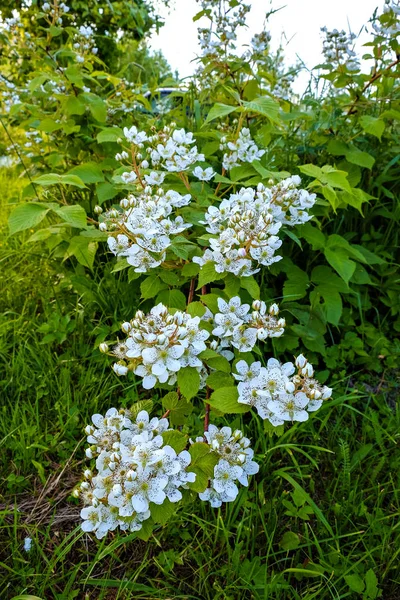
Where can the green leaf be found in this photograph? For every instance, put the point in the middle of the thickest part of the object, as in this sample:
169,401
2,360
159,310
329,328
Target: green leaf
106,191
360,158
296,284
74,106
265,105
97,106
176,439
203,463
110,134
88,172
196,309
208,274
251,285
211,301
225,400
83,249
163,512
188,382
289,541
219,379
55,178
355,583
74,215
313,236
339,260
219,110
150,287
371,585
26,215
172,299
220,363
372,125
170,401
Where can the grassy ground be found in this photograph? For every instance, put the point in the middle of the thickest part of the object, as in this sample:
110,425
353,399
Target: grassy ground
320,520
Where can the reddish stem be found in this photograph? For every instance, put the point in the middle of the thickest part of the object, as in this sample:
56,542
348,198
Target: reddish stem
165,415
191,291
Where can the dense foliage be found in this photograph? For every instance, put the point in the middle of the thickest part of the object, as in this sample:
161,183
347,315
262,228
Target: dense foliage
228,203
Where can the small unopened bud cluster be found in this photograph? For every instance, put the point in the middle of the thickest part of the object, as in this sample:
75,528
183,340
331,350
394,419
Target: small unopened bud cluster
278,392
338,48
289,204
159,345
234,466
242,150
133,469
243,328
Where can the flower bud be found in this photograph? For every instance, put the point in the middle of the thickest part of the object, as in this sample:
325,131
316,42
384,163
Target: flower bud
289,387
273,310
301,361
89,453
242,252
126,327
144,164
102,227
87,474
124,203
256,304
215,445
98,210
89,429
85,485
103,347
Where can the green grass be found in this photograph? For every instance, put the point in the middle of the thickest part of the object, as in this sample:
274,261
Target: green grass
320,520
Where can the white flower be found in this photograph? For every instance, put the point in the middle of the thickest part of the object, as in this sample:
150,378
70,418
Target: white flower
290,407
120,369
129,177
203,174
134,136
155,178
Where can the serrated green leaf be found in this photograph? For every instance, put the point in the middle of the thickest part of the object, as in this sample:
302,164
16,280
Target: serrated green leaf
196,309
219,110
74,215
360,158
83,249
265,105
289,541
88,172
172,298
161,513
226,400
372,125
176,439
251,285
26,215
150,287
188,382
208,274
355,583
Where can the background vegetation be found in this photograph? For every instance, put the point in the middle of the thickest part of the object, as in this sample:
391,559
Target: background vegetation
320,520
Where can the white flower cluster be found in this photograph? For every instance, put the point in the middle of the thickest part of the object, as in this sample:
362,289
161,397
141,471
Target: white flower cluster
388,24
159,345
278,392
247,224
338,48
235,464
241,329
243,150
134,468
226,17
84,42
170,149
289,205
145,228
245,231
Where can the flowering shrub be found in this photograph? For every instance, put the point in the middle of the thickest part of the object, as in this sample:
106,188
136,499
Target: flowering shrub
207,219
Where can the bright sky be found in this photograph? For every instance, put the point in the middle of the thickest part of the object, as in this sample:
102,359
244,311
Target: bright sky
299,20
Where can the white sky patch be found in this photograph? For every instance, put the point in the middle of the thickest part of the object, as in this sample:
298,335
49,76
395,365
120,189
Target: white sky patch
298,25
